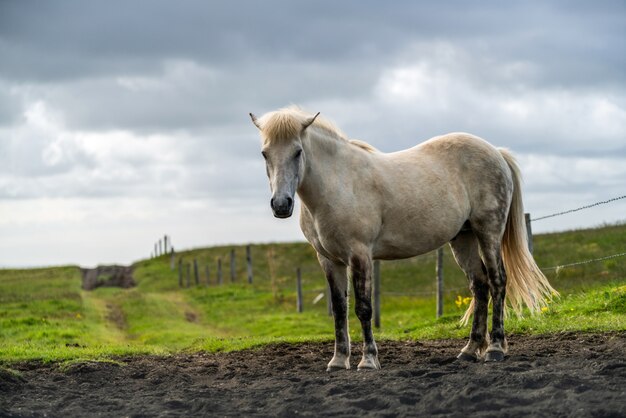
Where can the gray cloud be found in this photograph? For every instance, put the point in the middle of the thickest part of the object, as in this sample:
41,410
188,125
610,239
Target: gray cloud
207,63
149,99
186,96
10,105
72,39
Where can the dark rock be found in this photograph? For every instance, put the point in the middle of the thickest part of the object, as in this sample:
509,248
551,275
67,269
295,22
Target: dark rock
108,276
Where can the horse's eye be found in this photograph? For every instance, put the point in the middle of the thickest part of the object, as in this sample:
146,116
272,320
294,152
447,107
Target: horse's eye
264,154
297,154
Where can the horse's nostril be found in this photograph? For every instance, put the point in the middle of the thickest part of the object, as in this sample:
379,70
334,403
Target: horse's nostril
282,204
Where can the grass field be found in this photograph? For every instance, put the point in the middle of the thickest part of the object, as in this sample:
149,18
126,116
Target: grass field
45,315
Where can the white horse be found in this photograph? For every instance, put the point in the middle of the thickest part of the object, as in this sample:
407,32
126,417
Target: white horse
359,204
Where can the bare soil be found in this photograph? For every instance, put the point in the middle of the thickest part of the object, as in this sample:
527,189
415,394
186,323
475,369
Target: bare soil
564,375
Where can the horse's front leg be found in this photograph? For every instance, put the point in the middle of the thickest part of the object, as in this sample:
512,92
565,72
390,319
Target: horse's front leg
337,277
361,269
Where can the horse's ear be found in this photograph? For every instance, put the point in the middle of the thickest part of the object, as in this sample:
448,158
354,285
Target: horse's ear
255,121
309,121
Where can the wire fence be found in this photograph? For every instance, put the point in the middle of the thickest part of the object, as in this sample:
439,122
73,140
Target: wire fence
578,209
559,267
310,277
580,263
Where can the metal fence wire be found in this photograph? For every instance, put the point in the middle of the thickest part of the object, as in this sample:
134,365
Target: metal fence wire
580,263
593,260
577,209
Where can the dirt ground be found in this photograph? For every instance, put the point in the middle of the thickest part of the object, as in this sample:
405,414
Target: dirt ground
567,375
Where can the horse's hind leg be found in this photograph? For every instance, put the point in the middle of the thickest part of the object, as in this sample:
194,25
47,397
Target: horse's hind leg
465,249
337,277
490,244
361,269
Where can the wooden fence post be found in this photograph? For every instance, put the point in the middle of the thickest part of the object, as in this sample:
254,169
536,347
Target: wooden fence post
156,250
188,273
164,244
299,290
377,293
439,270
249,263
172,257
529,232
180,272
232,266
206,274
195,271
219,270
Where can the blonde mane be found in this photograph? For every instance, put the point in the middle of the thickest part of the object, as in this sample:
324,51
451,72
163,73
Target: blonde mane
286,123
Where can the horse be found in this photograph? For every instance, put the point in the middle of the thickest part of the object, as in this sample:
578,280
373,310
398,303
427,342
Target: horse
359,204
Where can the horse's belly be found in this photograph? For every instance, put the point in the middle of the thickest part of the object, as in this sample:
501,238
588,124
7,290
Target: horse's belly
406,244
417,236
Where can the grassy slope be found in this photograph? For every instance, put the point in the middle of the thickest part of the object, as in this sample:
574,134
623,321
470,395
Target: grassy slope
44,313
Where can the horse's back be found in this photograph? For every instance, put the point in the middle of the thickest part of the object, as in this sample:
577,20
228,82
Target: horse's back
463,156
454,158
438,185
480,168
457,148
475,163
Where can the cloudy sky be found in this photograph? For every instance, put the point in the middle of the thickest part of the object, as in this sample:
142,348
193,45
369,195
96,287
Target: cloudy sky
124,120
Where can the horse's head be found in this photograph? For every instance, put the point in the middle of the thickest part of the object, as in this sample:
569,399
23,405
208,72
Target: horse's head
284,157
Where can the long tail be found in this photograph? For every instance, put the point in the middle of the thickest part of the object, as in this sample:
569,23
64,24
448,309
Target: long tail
526,284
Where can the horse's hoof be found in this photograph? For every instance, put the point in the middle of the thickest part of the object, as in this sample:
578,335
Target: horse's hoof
369,364
467,357
494,356
368,367
338,362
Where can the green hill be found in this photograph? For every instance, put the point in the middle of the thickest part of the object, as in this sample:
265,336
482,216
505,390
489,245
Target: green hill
45,314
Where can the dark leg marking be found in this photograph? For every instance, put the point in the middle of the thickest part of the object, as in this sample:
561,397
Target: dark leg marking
466,253
338,282
361,280
498,294
340,315
497,288
480,290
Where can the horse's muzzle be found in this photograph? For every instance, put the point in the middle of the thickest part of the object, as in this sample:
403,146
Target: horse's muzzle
282,206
